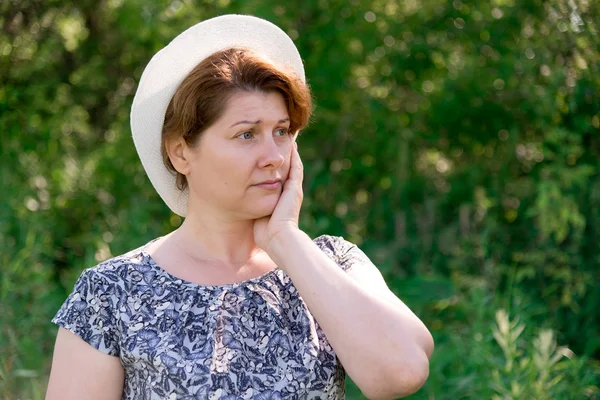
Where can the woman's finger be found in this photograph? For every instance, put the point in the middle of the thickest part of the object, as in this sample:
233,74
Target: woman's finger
297,169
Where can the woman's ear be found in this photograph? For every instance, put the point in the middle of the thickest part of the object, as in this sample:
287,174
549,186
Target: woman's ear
177,154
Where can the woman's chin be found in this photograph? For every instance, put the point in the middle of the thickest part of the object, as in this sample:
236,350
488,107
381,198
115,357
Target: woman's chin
263,209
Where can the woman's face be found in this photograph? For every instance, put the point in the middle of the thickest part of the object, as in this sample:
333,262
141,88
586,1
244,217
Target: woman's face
248,145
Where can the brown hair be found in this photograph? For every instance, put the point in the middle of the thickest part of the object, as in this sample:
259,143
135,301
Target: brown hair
200,99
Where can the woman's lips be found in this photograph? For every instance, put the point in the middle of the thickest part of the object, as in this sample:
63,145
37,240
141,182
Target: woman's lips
269,185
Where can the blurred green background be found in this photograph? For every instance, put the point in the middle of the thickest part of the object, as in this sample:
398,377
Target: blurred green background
456,142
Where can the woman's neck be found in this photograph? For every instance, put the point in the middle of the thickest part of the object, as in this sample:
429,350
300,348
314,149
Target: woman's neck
212,240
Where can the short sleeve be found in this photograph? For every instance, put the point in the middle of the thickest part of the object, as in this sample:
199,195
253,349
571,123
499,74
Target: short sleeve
343,252
89,312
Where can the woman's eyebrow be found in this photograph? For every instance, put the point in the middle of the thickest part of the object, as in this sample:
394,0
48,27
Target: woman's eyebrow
281,121
246,122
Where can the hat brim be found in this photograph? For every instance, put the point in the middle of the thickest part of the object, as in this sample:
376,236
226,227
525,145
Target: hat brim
167,69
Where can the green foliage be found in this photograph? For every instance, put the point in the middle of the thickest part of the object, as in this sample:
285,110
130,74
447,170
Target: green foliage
456,142
536,372
482,353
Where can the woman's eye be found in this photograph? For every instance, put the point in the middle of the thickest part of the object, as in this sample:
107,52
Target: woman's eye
282,132
245,135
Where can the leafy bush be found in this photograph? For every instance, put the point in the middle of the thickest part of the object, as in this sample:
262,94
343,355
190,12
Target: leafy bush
456,142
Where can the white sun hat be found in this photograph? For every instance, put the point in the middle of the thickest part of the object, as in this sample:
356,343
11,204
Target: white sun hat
167,69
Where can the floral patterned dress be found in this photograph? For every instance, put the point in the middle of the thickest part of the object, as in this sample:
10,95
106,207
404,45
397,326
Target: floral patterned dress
179,340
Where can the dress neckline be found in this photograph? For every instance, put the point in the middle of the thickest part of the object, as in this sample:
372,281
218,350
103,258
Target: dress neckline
172,278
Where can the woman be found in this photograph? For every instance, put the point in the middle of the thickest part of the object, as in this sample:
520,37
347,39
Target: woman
227,305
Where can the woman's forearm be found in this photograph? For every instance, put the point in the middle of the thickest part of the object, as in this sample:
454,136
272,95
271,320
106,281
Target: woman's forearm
383,346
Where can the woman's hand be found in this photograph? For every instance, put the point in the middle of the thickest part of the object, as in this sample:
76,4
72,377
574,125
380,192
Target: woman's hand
285,216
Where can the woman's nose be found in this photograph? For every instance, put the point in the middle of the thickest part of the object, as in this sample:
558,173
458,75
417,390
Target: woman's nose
272,153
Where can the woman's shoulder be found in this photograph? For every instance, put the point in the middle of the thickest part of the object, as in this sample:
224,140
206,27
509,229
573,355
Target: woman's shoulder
337,248
117,269
92,310
343,252
334,246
